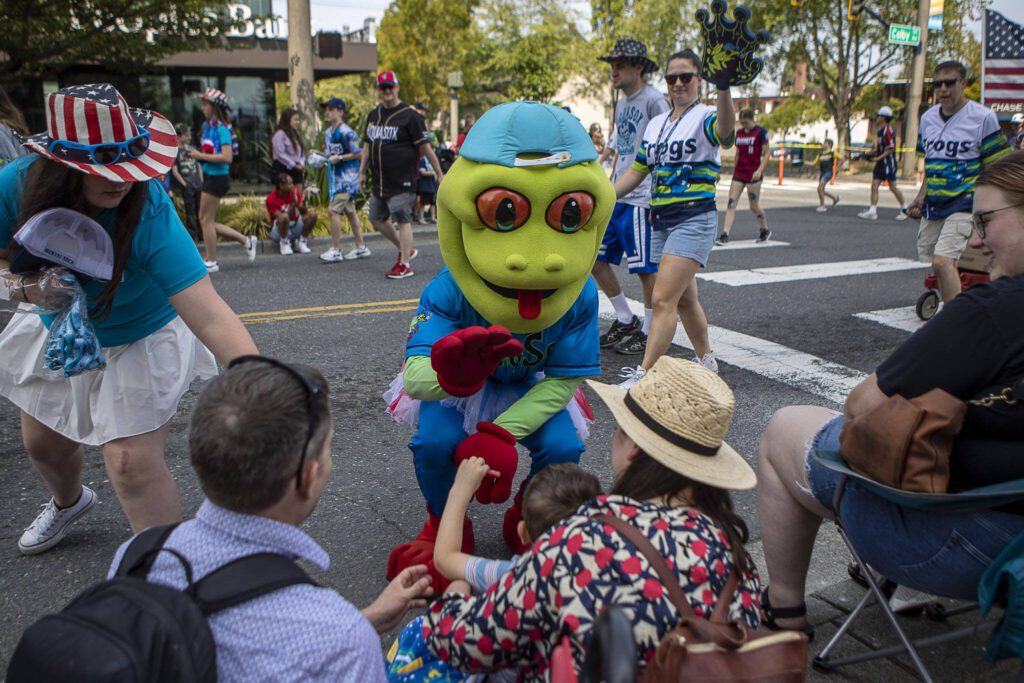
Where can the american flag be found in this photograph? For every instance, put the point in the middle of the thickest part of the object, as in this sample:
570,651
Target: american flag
1003,70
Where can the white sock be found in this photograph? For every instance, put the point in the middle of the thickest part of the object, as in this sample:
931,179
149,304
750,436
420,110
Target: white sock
874,208
903,207
648,314
622,311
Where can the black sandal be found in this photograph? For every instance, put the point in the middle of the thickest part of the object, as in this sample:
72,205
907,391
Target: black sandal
773,613
856,573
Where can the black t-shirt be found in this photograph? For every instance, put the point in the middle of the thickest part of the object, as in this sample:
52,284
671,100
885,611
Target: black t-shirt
393,137
973,348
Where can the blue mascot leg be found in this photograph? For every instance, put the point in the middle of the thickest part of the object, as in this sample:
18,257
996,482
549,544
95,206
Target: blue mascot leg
555,442
438,433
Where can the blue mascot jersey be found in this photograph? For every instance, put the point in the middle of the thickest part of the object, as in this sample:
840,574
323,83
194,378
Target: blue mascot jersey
569,348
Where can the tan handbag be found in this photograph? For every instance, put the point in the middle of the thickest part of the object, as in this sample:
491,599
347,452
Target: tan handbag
699,649
905,443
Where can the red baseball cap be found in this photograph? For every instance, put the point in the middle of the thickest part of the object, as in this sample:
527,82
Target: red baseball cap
385,78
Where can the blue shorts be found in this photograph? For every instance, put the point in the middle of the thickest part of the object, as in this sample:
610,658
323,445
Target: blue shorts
885,169
294,230
825,176
629,231
943,553
693,238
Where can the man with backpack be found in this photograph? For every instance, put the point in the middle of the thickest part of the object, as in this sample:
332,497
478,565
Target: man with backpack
260,443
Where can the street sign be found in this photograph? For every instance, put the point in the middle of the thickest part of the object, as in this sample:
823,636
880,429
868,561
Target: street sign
904,35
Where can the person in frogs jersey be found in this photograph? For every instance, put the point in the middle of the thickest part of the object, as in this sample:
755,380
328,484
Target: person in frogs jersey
680,151
752,155
885,166
957,137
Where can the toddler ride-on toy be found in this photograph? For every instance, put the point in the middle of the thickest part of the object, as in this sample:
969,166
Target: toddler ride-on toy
973,269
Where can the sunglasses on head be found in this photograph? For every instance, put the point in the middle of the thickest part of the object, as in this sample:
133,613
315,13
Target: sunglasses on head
684,77
312,391
101,154
946,82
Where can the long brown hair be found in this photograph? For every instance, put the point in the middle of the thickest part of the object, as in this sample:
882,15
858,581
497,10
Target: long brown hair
50,185
647,479
285,123
10,115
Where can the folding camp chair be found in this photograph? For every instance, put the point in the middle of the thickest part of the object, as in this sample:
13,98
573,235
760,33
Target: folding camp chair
974,499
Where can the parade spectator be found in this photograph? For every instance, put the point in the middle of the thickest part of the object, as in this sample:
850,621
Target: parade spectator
426,190
214,159
188,180
957,138
423,110
11,123
155,319
680,151
752,156
341,145
629,230
1018,135
260,443
677,497
826,161
936,551
394,139
884,156
290,220
287,149
467,123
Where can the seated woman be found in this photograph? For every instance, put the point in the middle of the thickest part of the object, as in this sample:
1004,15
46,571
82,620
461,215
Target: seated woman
972,349
672,470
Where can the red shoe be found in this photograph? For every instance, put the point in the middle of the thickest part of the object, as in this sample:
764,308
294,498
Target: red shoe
420,550
400,271
510,525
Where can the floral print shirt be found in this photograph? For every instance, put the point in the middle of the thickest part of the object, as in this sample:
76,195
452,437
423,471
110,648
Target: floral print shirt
576,569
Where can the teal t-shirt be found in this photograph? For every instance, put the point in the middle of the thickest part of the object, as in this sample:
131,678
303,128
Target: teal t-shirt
163,260
213,138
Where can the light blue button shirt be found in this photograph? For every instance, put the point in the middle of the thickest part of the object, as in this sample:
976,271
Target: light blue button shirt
298,633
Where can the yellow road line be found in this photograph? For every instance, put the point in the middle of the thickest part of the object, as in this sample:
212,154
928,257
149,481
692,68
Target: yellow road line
319,309
323,314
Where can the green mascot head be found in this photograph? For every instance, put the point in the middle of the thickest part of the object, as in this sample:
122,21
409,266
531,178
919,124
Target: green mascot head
522,214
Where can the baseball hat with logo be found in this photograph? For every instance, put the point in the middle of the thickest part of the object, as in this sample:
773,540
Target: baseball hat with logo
335,103
508,133
386,79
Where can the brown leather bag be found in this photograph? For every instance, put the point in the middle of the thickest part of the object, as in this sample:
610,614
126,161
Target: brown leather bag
905,443
699,649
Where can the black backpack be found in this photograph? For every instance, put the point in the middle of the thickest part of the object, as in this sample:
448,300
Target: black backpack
126,629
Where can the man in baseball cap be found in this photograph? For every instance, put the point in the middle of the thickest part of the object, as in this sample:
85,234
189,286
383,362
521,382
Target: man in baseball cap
343,151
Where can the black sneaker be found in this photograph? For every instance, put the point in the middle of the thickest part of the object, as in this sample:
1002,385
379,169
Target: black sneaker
619,331
765,235
633,344
723,239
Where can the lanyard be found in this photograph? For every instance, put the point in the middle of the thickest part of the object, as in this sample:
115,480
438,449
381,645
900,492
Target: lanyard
661,131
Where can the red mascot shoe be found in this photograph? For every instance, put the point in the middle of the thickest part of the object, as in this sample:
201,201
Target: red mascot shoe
510,525
420,550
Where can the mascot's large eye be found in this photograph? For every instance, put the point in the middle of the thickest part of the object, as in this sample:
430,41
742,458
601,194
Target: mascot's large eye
501,209
570,212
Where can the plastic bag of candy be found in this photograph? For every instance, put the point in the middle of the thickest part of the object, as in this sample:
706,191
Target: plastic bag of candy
71,345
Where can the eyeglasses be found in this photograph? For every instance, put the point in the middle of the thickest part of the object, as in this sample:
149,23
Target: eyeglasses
684,77
312,391
979,224
102,154
945,82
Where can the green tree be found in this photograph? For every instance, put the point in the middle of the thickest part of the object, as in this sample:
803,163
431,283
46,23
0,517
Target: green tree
796,111
40,39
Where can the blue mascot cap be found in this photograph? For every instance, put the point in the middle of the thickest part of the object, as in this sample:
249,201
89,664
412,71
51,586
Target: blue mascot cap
515,128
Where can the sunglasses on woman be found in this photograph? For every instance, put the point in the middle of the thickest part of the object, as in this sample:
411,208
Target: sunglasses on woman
979,223
102,154
684,77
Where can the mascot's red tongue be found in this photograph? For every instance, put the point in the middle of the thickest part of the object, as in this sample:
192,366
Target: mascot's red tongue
529,303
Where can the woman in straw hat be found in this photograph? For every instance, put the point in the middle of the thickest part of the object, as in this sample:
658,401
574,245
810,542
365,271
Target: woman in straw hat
673,471
155,318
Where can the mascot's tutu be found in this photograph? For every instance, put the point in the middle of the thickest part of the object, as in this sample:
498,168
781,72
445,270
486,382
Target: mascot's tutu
483,406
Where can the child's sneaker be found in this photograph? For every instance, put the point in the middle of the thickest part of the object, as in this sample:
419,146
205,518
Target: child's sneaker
821,209
211,266
301,246
631,376
868,215
250,247
764,235
358,252
332,255
707,361
286,247
723,239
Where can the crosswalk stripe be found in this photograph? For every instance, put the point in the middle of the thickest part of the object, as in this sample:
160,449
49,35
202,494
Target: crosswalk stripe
809,271
748,244
902,318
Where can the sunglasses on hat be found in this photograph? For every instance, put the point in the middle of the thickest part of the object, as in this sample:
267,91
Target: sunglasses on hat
101,154
684,77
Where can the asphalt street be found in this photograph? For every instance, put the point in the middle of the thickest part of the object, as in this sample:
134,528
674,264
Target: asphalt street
350,322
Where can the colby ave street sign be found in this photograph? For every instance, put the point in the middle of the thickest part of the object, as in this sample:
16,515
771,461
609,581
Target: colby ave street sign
904,35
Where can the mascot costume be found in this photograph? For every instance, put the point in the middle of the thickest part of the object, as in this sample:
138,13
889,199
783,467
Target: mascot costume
507,331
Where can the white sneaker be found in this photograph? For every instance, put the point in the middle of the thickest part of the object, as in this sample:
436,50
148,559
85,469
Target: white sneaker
414,254
821,209
332,255
211,266
52,523
302,247
286,247
707,361
901,216
631,376
250,247
358,252
868,215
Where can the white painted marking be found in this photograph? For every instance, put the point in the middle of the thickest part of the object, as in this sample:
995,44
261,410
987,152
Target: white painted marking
903,318
748,244
810,271
799,370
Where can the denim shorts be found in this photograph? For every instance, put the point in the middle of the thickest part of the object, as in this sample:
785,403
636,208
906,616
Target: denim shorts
294,230
825,176
942,553
693,238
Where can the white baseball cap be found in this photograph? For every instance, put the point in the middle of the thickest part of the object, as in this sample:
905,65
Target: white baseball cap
66,238
885,111
1017,118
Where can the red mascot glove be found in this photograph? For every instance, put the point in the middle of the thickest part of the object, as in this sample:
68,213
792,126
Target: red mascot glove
463,360
498,449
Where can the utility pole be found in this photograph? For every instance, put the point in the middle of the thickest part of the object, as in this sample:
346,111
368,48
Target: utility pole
916,91
300,62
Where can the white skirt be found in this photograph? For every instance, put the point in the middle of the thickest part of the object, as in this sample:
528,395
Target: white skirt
138,391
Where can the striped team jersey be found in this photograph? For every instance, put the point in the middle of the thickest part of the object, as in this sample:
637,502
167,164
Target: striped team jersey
683,159
954,152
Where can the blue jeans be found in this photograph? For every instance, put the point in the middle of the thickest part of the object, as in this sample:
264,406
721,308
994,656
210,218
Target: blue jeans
942,553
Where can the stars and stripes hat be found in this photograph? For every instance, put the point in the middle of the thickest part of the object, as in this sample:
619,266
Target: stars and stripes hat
214,96
92,129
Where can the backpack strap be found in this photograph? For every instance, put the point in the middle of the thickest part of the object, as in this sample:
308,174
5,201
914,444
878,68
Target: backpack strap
139,556
247,578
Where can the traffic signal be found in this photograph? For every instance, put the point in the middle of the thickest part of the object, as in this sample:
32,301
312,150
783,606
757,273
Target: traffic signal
853,9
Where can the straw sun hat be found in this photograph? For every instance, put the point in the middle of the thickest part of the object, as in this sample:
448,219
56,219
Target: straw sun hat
679,413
